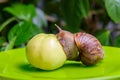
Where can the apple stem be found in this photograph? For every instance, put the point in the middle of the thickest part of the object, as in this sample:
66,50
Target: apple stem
58,27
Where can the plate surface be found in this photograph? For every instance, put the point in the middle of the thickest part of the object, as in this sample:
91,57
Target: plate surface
13,64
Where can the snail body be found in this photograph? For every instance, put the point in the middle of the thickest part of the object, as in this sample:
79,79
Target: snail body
90,49
67,41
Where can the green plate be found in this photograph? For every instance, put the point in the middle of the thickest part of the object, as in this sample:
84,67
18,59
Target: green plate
14,65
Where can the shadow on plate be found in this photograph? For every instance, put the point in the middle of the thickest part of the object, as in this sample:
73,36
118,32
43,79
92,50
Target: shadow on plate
70,64
76,64
29,68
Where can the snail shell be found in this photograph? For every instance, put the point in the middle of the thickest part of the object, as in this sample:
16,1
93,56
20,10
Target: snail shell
90,49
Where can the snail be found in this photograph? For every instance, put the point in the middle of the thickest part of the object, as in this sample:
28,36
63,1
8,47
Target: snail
50,51
81,46
90,49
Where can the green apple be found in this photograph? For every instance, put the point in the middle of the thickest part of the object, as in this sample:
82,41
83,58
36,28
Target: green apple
45,52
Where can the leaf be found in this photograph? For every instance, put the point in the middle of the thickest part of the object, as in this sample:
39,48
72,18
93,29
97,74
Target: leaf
103,36
39,19
74,11
2,40
84,7
113,9
11,43
3,25
2,43
117,41
23,31
23,12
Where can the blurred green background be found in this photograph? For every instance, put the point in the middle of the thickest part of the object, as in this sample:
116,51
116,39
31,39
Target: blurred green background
20,20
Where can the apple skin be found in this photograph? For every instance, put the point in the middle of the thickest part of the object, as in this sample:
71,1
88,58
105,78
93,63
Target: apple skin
45,52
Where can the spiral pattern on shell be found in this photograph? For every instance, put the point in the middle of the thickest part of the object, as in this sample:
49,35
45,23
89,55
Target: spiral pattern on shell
90,49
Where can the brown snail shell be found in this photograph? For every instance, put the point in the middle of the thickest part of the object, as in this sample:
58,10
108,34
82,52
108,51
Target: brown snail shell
91,51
